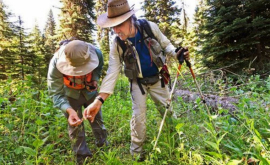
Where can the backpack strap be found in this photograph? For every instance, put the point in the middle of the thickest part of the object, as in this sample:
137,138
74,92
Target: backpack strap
140,86
144,24
98,51
123,46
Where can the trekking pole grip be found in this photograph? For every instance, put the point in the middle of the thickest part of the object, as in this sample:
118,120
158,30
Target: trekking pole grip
181,55
188,63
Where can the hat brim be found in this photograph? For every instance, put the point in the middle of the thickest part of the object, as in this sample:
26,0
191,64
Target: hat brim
64,67
105,22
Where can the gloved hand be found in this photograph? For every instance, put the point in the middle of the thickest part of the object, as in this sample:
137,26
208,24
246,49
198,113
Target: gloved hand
182,54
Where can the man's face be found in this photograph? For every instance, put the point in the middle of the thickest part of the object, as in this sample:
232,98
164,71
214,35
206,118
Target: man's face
123,30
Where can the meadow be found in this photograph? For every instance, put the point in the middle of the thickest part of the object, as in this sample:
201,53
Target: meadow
34,132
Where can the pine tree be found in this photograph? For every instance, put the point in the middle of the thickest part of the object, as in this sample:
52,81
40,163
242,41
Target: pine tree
77,20
179,28
6,36
236,31
103,34
49,37
193,38
162,12
20,50
35,59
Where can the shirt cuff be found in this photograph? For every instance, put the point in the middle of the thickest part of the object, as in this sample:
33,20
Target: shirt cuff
64,108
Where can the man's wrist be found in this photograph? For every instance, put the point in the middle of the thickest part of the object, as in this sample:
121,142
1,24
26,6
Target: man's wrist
70,110
100,99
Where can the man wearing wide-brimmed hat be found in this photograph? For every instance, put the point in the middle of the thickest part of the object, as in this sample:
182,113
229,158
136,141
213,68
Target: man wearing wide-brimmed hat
143,59
72,83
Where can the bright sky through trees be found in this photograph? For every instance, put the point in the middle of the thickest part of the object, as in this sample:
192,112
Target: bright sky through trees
32,11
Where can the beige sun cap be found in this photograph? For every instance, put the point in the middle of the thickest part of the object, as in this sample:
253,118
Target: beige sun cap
77,58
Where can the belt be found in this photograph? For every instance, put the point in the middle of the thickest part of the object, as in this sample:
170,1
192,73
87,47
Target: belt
149,80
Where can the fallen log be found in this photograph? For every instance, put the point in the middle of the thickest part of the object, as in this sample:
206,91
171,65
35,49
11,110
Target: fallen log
212,101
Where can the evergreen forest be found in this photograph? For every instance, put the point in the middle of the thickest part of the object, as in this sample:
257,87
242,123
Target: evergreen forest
222,111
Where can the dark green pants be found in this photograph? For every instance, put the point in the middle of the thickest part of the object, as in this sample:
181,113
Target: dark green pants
77,134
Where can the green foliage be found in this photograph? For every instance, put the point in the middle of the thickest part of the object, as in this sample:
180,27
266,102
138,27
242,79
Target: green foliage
23,54
105,48
234,31
5,38
21,60
103,35
37,55
33,132
10,65
26,131
77,19
50,42
165,16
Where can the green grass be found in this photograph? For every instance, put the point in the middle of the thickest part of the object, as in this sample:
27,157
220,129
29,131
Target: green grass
33,132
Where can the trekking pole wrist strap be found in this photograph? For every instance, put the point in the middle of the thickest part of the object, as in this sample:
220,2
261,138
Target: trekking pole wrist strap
100,99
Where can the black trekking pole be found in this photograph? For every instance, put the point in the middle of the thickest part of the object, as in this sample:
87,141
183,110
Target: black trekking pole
181,60
202,97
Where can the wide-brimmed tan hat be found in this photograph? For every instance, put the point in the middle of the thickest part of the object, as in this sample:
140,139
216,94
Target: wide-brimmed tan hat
117,12
77,58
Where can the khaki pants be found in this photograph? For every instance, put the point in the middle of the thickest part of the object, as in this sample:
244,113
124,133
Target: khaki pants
138,121
77,134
